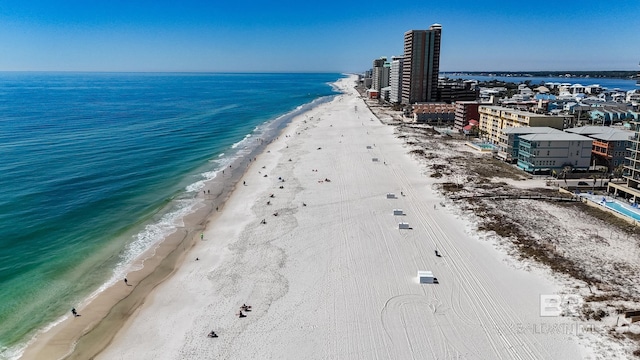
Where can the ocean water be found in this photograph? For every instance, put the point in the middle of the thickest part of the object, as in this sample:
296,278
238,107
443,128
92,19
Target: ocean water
95,168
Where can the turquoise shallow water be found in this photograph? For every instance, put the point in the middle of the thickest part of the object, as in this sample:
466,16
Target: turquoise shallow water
97,167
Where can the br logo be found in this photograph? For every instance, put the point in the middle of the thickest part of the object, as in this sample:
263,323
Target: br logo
560,305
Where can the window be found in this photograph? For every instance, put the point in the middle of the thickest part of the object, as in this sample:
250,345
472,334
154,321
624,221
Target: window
547,152
577,152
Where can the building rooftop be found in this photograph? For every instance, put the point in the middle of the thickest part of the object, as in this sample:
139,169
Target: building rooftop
529,130
556,136
602,133
619,135
590,130
515,111
542,89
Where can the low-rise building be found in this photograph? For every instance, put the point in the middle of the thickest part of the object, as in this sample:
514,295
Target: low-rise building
510,140
471,128
465,111
385,93
554,151
434,113
610,145
631,189
495,118
607,116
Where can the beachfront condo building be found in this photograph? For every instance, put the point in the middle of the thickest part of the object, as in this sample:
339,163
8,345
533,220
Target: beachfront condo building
493,119
421,65
610,145
554,151
631,188
380,73
434,113
395,79
465,111
509,143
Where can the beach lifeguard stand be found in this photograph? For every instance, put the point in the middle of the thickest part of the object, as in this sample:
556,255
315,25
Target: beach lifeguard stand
425,277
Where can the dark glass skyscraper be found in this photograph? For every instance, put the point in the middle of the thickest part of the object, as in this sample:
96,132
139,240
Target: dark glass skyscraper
421,65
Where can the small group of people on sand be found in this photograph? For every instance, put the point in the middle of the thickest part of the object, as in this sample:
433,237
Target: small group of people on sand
245,308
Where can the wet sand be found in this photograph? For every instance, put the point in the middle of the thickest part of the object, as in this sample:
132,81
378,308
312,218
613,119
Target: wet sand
83,337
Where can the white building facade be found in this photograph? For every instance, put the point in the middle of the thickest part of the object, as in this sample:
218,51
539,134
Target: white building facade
395,80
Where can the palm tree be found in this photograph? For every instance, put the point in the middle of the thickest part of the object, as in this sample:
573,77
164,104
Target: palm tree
618,171
595,178
565,170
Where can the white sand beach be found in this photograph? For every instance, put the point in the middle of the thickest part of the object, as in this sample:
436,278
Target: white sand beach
336,278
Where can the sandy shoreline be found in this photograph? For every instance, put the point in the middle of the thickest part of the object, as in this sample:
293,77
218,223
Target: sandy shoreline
331,276
100,319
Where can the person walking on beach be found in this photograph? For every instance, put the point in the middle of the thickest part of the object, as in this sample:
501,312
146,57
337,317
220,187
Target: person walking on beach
74,312
126,282
201,236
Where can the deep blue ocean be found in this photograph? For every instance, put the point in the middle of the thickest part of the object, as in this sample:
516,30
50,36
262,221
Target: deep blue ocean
95,168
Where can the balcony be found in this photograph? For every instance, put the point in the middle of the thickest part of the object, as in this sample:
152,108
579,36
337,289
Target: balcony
608,155
635,178
632,159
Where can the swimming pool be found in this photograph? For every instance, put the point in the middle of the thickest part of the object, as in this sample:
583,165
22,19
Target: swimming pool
623,210
484,146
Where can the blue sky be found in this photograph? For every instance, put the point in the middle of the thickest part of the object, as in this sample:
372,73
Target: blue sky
329,35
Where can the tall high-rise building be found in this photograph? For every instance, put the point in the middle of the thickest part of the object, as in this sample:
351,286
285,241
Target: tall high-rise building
421,65
380,73
395,79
